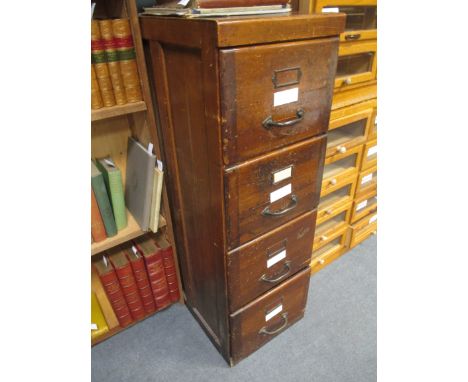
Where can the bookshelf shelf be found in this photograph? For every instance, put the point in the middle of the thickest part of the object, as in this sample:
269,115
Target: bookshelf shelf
130,232
115,111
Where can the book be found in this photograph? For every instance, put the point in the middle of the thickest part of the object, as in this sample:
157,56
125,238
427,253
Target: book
124,272
154,265
167,255
141,276
100,192
113,180
156,199
96,99
114,292
139,182
98,322
98,231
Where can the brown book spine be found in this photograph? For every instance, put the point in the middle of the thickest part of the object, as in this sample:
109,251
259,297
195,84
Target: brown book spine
144,287
130,290
171,274
127,59
96,99
99,60
114,292
238,3
98,231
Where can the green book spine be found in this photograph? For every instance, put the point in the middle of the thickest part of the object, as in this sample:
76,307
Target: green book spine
100,192
114,186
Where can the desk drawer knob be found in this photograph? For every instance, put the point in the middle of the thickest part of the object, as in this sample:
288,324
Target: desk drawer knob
341,149
323,237
321,261
347,81
329,211
333,181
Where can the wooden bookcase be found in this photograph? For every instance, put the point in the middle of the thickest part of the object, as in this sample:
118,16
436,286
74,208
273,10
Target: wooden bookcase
110,129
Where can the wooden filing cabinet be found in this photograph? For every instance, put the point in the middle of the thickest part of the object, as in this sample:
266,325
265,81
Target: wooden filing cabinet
367,181
364,205
362,229
369,157
244,106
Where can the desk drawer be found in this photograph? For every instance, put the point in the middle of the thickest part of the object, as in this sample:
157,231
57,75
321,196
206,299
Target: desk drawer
268,260
357,63
361,230
336,199
274,95
266,192
339,167
367,181
369,157
364,205
266,317
330,233
361,17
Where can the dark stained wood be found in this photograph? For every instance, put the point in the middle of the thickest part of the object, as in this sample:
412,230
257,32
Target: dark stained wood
248,91
248,187
247,323
248,263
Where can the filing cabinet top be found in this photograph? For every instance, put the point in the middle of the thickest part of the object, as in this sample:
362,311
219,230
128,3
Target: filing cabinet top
237,31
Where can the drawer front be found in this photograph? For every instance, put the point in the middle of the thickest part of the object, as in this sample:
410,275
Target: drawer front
336,199
352,94
265,262
335,238
367,181
364,205
340,167
361,230
361,17
373,126
348,131
369,157
357,63
324,231
269,315
265,193
327,258
296,77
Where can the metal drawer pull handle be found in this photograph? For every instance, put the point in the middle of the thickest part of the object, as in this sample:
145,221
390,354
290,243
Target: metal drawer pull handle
269,123
287,269
264,330
291,206
352,37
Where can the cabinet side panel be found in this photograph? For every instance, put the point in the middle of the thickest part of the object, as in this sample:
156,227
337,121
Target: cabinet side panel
192,151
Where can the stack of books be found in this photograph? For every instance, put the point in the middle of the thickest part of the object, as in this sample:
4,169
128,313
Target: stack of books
139,278
212,8
114,72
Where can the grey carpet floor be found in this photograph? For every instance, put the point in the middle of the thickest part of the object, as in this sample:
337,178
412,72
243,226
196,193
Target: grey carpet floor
336,341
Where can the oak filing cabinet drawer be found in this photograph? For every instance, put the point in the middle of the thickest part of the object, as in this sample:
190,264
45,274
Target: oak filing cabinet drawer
369,158
367,181
334,200
364,205
272,189
330,236
265,262
333,246
361,230
361,17
339,167
244,106
352,94
269,315
339,219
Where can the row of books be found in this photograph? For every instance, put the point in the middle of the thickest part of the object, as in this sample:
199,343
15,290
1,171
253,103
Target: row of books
139,278
142,196
114,72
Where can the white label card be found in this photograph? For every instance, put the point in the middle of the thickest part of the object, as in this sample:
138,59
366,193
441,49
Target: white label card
183,2
278,176
366,179
331,10
372,151
94,327
160,164
285,96
361,205
274,312
274,259
280,193
373,219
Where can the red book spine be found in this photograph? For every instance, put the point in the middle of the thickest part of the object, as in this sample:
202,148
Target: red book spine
171,274
116,297
130,291
157,278
144,287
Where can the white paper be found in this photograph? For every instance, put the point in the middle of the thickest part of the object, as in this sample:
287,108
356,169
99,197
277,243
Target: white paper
372,151
278,176
285,96
109,162
273,260
183,2
150,148
280,193
135,250
373,219
274,312
361,205
160,164
366,179
331,10
94,327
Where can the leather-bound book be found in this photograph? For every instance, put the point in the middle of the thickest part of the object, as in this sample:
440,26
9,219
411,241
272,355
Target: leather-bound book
236,3
124,272
154,265
105,208
141,277
169,268
98,231
114,292
98,322
96,99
